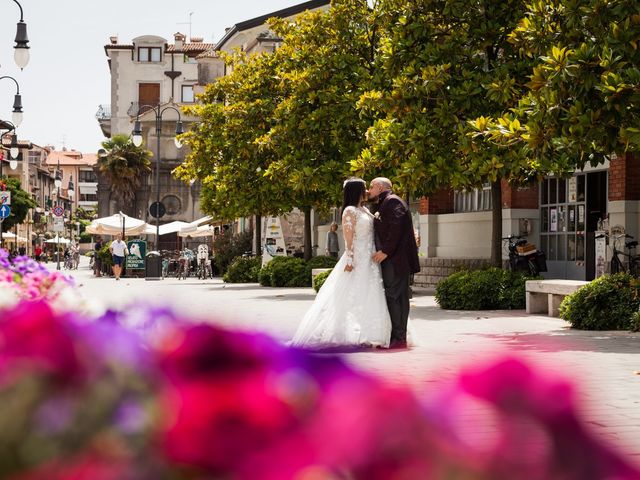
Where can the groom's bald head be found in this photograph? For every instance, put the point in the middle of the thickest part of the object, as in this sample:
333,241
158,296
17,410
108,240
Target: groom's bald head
377,186
383,182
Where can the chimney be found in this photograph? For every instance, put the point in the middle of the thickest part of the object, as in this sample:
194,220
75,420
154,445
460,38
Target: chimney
113,39
197,39
179,39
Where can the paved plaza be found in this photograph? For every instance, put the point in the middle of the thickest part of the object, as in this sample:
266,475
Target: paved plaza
605,365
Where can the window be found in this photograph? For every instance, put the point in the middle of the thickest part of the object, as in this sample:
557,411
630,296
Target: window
149,54
476,200
88,197
87,176
34,157
187,94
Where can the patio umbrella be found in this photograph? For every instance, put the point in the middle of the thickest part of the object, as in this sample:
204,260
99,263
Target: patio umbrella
116,224
204,231
171,227
57,239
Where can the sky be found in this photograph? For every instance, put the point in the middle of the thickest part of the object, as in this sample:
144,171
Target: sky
67,77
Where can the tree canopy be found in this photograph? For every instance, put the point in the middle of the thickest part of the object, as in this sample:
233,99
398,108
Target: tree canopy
21,202
124,167
583,98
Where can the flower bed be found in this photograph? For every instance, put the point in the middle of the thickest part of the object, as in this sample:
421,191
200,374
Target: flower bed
144,394
22,278
98,399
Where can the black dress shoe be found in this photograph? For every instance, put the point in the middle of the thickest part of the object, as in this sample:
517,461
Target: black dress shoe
396,345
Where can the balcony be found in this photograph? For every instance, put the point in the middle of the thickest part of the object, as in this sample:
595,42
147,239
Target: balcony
103,115
135,106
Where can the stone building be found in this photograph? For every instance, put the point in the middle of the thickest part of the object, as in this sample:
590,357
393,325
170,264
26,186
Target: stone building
151,79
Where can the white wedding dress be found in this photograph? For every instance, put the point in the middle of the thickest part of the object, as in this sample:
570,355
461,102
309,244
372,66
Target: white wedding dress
350,309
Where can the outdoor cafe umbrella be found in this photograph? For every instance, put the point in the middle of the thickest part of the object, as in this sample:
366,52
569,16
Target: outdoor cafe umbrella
204,231
57,239
117,223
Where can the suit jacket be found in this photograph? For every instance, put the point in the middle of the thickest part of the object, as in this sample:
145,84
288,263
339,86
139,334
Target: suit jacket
394,234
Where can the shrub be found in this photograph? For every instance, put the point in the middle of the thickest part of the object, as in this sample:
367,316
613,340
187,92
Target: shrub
285,272
319,280
105,256
243,270
290,273
264,275
321,261
489,289
608,303
228,246
86,237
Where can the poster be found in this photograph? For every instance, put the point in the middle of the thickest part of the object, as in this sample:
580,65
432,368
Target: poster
137,253
601,253
553,220
573,189
580,215
273,239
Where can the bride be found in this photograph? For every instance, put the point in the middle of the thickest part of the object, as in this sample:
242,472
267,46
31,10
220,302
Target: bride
350,309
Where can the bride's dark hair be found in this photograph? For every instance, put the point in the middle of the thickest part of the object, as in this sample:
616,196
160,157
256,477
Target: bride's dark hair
352,192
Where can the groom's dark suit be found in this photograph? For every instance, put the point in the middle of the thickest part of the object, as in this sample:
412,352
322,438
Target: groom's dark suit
394,236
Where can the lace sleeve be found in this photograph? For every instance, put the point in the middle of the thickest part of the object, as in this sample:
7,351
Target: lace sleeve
348,231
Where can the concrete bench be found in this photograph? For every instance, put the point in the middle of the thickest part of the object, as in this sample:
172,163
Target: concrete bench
545,296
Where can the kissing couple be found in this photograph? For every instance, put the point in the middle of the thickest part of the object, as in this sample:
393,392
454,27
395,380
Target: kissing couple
364,302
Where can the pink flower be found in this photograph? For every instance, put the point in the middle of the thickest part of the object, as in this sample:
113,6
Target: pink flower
32,337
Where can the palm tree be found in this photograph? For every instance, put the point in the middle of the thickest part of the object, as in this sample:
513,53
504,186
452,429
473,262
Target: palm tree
123,167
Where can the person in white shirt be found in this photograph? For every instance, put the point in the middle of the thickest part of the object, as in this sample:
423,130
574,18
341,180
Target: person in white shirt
118,251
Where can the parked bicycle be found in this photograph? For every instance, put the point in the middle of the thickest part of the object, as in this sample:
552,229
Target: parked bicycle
619,257
523,258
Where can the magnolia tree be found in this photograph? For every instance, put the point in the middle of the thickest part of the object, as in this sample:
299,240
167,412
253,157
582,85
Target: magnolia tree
582,102
443,65
225,152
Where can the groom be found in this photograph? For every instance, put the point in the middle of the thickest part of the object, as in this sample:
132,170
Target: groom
397,253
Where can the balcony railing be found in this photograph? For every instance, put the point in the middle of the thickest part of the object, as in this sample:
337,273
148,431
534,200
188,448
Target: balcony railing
104,112
135,106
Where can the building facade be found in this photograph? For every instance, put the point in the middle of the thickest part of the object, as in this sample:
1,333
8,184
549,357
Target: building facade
151,76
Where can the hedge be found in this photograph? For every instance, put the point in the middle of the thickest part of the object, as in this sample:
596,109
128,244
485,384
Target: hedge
488,289
610,302
243,270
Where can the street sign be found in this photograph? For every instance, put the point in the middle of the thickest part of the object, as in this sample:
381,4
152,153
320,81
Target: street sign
5,210
5,198
58,211
157,210
58,224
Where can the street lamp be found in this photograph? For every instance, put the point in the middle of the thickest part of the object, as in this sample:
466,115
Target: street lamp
21,49
58,183
137,141
16,116
14,151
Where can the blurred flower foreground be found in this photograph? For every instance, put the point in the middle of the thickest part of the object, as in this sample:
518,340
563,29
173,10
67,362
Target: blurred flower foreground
146,395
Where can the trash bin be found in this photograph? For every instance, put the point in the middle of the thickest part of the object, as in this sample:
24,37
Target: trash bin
153,266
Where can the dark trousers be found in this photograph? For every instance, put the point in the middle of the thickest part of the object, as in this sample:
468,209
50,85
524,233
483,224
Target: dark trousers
396,289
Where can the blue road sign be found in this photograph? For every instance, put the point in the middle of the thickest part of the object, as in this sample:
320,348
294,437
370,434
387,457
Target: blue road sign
58,211
5,210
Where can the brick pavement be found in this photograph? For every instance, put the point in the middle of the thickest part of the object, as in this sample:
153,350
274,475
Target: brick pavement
603,364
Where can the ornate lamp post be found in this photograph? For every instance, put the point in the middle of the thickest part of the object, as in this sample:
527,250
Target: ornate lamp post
58,184
137,141
21,49
14,151
16,116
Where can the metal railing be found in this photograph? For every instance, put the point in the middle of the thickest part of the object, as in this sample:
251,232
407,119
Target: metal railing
104,112
135,106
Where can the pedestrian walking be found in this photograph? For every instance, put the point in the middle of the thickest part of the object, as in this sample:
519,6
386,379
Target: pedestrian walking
97,261
118,251
333,247
37,253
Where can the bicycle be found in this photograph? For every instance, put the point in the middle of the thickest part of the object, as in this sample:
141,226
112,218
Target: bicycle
204,269
532,261
616,265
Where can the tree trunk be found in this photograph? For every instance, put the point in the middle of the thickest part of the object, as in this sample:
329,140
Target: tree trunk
307,233
496,224
257,235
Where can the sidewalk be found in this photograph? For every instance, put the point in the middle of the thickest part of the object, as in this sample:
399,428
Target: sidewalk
604,365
